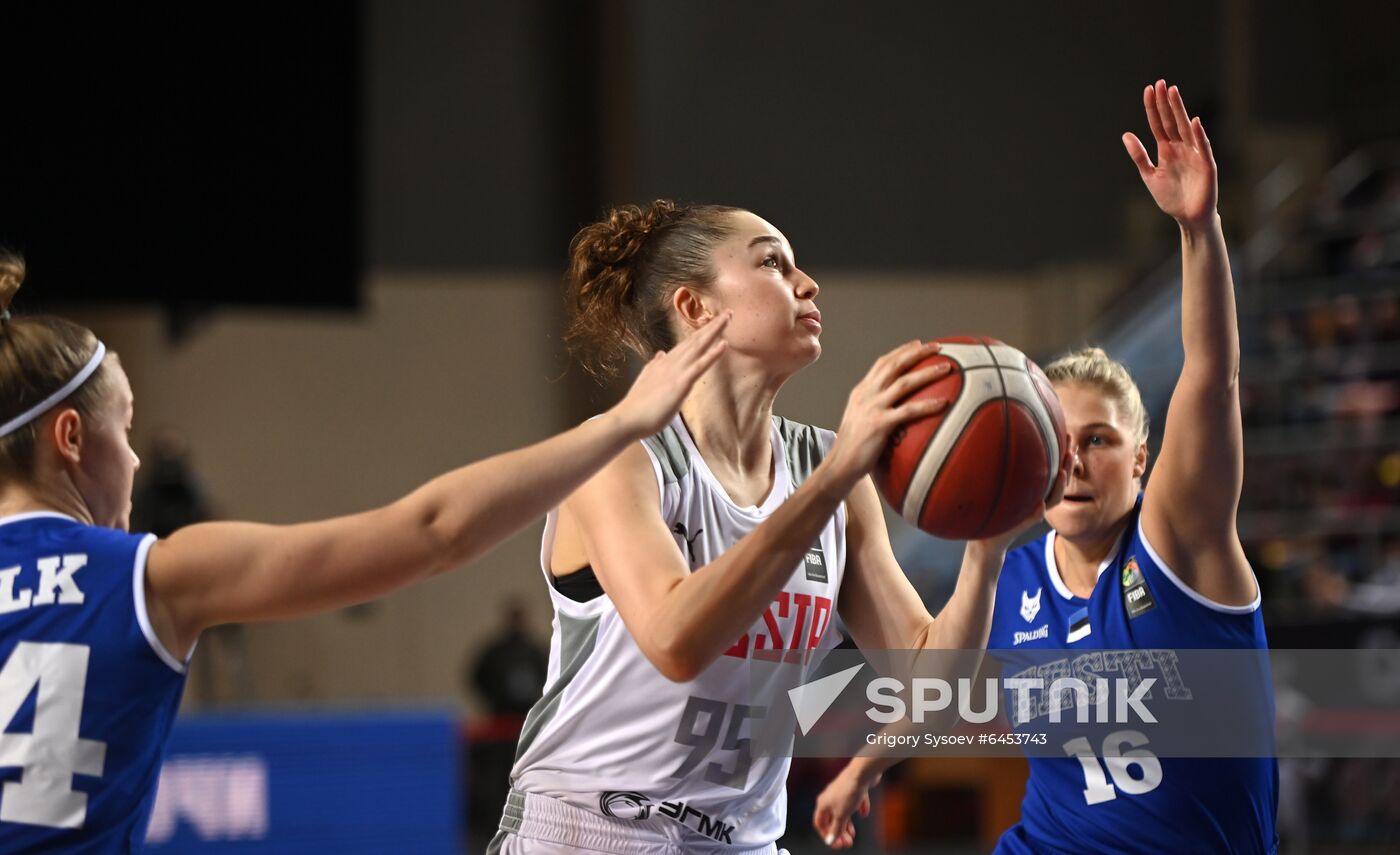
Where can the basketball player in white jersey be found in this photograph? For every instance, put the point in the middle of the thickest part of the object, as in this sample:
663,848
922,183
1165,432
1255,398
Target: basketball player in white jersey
103,622
718,541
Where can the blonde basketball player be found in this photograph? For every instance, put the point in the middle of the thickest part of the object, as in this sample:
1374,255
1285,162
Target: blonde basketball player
726,536
1125,568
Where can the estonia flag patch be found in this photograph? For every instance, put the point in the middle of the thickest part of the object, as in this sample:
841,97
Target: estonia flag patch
1078,626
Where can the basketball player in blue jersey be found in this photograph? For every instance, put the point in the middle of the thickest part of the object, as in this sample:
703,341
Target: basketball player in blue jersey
97,625
720,542
1125,568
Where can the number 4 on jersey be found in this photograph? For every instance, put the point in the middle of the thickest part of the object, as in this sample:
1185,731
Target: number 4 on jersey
52,753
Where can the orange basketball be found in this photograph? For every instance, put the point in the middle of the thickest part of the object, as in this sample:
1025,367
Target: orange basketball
983,464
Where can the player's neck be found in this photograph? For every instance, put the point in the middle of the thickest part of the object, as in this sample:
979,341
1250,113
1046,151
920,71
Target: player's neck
731,422
1080,558
18,498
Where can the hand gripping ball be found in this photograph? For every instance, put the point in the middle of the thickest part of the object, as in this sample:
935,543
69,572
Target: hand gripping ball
982,465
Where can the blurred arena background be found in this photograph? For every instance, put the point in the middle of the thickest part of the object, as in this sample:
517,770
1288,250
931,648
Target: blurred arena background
327,241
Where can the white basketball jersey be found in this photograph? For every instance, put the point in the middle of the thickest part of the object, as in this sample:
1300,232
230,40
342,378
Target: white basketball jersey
613,736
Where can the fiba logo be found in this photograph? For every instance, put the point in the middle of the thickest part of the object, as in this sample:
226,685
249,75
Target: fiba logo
625,805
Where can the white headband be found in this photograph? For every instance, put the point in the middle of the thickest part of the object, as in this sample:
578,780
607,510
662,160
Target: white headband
45,405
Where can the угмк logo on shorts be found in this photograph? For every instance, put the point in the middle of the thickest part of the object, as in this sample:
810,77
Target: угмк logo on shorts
625,805
629,804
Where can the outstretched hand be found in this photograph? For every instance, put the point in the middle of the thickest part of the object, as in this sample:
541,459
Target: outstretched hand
1183,181
844,797
657,393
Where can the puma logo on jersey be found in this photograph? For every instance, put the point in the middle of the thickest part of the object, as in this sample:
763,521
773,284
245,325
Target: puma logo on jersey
1030,606
679,529
55,584
792,624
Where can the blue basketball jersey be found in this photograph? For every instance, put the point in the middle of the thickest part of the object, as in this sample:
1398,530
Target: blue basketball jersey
87,692
1077,802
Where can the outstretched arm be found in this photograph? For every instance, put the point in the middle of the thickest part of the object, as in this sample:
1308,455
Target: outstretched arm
1194,492
217,573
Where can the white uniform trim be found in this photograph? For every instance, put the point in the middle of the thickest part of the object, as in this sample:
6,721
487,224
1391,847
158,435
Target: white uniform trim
782,478
1053,567
138,594
1186,589
138,587
34,515
660,476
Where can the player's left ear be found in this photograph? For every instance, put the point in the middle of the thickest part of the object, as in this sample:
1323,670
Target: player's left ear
691,306
1140,460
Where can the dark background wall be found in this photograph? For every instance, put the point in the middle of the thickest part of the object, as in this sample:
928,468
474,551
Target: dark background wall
272,153
889,134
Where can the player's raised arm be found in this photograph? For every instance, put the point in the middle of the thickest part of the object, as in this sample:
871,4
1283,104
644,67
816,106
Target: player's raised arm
227,572
1194,492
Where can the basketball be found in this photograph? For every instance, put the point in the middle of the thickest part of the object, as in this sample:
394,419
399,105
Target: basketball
984,463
